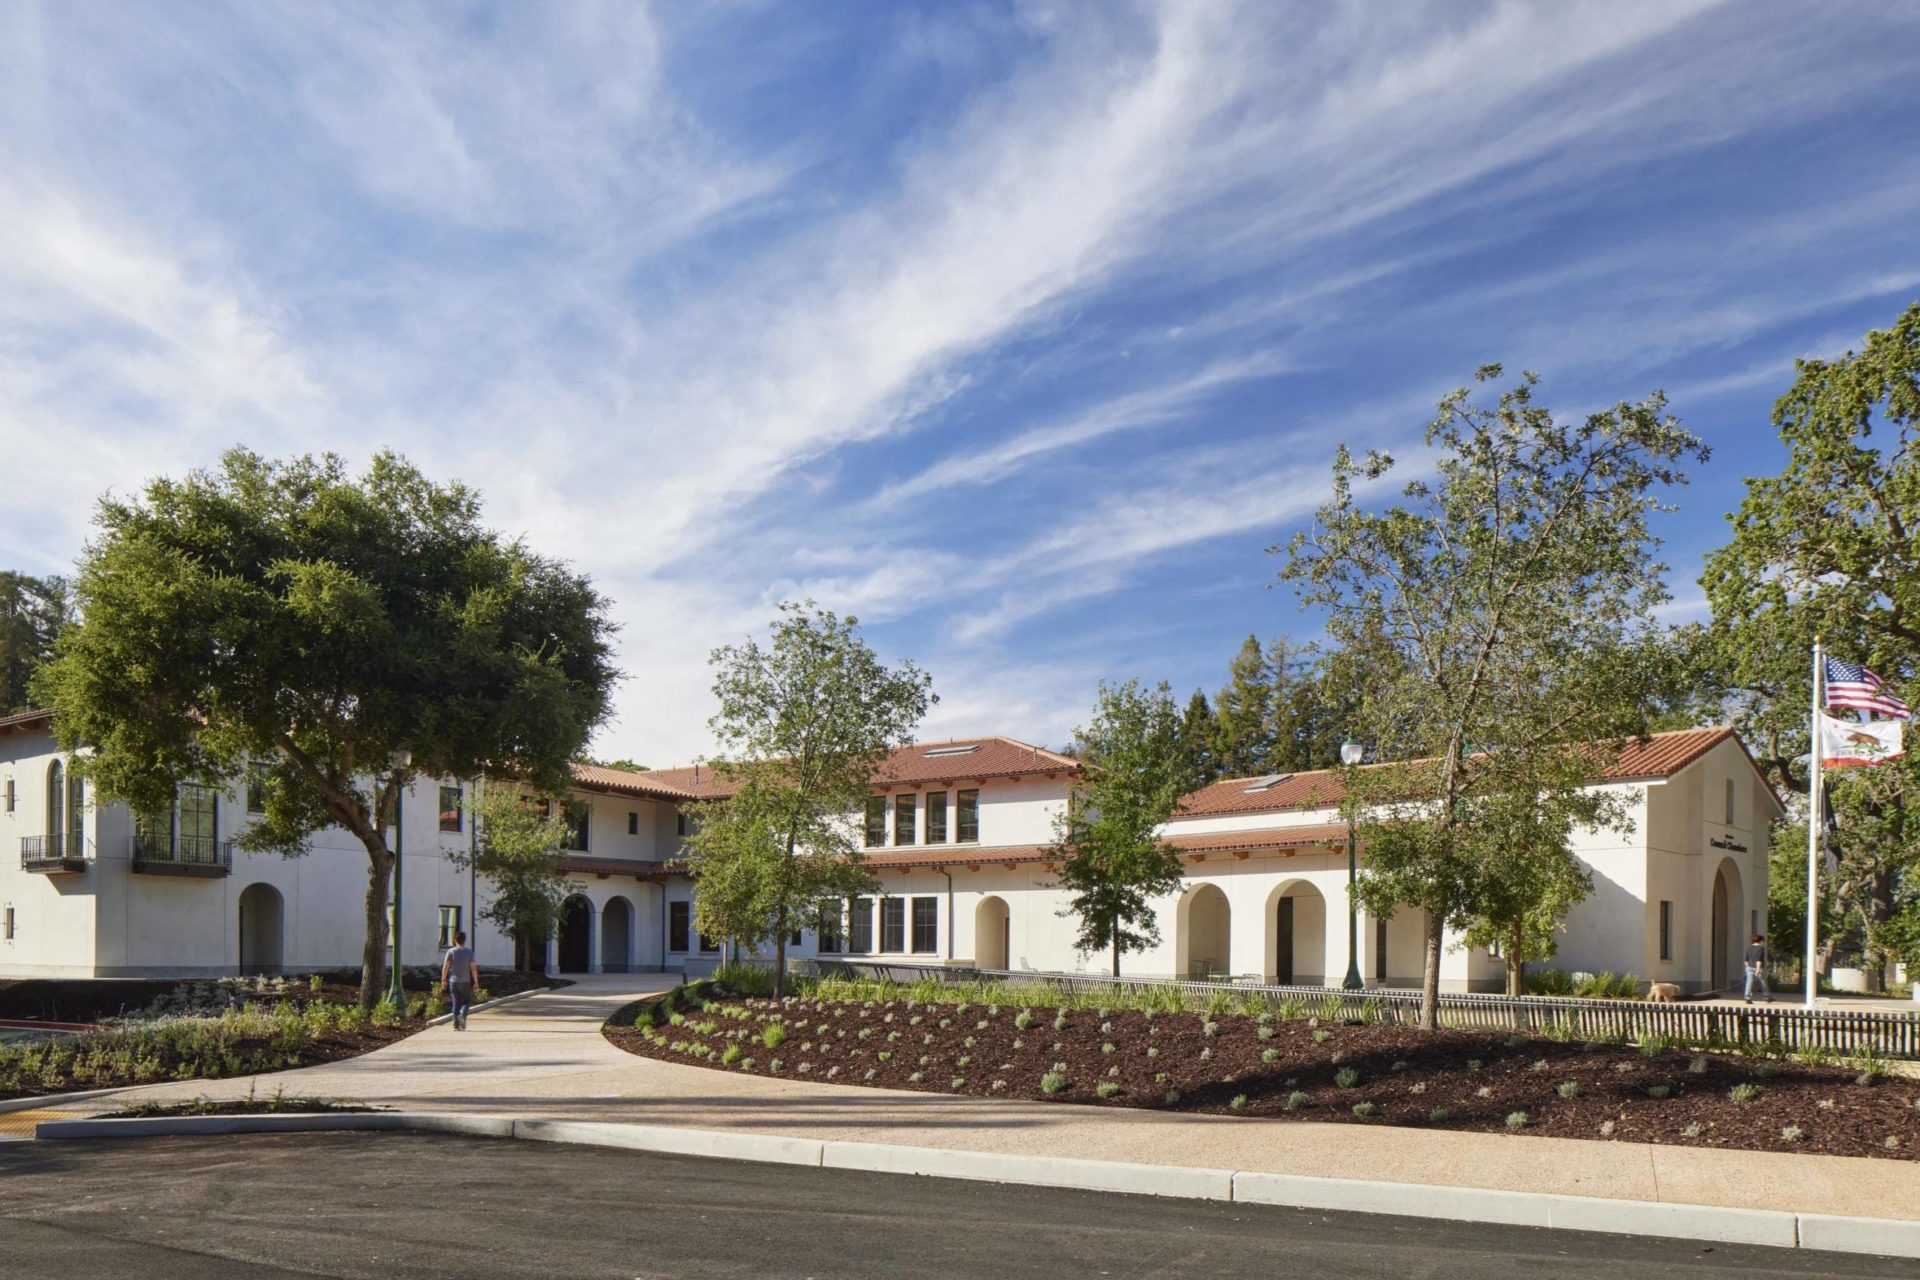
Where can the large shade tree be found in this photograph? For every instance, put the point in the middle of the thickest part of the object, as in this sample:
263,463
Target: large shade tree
1830,548
1114,864
805,723
1514,592
342,634
32,611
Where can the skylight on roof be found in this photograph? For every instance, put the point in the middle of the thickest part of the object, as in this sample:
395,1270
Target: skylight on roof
966,749
1267,783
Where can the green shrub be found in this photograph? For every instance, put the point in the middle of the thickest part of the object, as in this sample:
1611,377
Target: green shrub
1107,1088
1744,1092
1297,1100
1569,1089
730,1055
1024,1019
1346,1077
1053,1082
1239,1102
1658,1091
1269,1055
1439,1115
1364,1109
1321,1035
1517,1120
774,1036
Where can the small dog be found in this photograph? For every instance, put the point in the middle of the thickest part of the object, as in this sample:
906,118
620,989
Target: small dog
1663,992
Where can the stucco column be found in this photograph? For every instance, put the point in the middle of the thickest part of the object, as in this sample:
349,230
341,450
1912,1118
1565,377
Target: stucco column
594,964
553,953
633,937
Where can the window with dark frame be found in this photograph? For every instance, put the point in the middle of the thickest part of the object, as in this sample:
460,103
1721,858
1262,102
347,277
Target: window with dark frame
199,819
709,944
680,823
829,931
876,834
579,815
633,823
256,788
966,818
679,918
1666,930
794,941
452,809
10,794
936,817
926,925
1730,809
903,818
449,925
9,937
893,924
860,927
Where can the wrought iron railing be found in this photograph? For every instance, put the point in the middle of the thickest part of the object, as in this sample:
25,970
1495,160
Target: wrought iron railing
1774,1027
185,852
60,850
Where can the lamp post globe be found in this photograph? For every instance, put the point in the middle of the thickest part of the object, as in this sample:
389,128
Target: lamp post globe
1351,753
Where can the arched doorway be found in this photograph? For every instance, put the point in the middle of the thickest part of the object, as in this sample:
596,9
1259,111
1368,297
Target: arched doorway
616,933
1205,932
576,928
262,911
1726,940
992,934
1296,950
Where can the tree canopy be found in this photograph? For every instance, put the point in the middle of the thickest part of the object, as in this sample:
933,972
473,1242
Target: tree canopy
519,843
1134,771
1514,594
32,611
342,634
805,722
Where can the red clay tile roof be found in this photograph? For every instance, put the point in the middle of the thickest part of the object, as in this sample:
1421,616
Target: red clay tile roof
918,765
21,721
1307,836
627,782
587,864
1660,756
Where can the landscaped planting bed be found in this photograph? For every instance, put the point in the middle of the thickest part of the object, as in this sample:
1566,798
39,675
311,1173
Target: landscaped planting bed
1284,1063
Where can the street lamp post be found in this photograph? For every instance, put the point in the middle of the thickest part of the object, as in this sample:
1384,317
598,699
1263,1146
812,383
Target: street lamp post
396,989
1351,754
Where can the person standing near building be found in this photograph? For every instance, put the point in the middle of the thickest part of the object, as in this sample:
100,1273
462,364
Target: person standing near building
460,975
1757,969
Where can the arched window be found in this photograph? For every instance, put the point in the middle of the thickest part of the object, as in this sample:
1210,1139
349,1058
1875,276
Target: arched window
76,815
56,805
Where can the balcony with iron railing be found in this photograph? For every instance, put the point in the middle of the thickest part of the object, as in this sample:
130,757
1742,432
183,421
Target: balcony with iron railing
160,854
55,854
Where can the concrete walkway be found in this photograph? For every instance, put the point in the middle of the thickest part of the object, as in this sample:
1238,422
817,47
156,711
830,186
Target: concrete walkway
545,1057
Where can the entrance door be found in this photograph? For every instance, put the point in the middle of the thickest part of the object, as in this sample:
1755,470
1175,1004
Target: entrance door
1719,971
1283,962
576,955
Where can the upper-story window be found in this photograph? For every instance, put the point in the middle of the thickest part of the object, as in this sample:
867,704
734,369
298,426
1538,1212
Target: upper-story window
257,787
56,803
199,821
577,814
876,821
1729,801
936,817
967,817
66,811
633,823
903,815
451,809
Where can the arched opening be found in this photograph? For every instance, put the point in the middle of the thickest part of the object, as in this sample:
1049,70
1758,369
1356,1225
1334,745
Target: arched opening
56,808
1296,935
992,934
1727,940
616,934
262,912
576,942
1205,932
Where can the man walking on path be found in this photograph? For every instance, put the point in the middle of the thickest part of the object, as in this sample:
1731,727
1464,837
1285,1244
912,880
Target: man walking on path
1757,969
461,976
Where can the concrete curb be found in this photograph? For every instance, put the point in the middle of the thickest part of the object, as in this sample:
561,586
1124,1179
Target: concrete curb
1774,1228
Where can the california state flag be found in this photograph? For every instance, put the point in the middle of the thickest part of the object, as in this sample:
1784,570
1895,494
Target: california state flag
1846,742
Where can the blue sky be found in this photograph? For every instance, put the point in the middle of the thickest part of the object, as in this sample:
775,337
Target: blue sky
1019,330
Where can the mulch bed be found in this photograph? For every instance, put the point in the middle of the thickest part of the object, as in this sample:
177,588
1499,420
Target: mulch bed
1455,1080
275,1105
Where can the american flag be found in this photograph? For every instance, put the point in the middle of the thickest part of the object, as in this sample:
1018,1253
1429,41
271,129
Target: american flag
1860,689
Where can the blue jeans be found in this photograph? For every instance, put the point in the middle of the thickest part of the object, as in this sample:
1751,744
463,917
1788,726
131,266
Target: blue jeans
461,993
1757,977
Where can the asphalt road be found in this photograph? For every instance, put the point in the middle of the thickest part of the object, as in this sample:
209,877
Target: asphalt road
408,1205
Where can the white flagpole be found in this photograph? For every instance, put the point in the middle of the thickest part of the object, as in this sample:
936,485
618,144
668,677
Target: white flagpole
1809,974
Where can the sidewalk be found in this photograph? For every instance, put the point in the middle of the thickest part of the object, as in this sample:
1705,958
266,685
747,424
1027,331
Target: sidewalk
545,1057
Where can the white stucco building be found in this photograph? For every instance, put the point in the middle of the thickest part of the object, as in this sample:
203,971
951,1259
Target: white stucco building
957,832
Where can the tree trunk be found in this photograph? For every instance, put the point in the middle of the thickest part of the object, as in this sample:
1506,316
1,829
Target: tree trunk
1116,950
1430,980
373,957
780,953
1516,968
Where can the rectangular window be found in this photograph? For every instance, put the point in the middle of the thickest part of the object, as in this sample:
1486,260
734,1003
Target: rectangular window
452,809
199,823
9,924
936,817
926,925
708,944
680,823
893,924
9,795
679,915
876,821
1729,801
1493,948
1666,930
578,813
794,941
257,788
967,817
449,925
903,823
829,928
633,823
860,926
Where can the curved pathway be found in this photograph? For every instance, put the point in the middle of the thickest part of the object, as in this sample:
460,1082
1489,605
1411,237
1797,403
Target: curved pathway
544,1056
